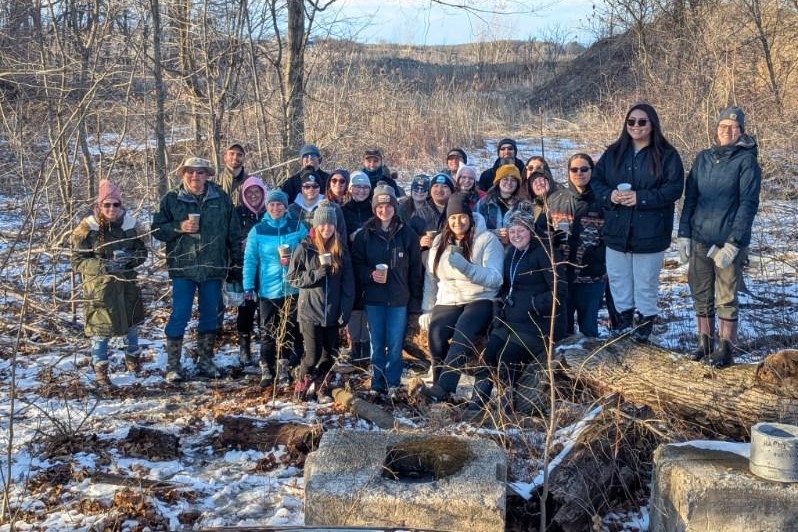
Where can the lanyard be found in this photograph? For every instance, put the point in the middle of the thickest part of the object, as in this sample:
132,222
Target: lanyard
513,272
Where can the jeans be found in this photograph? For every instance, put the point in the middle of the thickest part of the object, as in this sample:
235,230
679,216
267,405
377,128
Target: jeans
714,290
453,330
208,297
585,300
634,280
387,333
99,345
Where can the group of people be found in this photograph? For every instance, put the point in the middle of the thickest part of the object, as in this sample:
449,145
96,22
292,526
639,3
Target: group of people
507,259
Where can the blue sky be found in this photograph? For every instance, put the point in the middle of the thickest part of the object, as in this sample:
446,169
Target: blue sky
424,22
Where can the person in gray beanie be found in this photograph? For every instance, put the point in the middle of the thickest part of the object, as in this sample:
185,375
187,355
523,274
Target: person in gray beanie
720,202
310,156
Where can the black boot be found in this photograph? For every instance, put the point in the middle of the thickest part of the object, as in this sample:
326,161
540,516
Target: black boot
722,356
643,326
625,322
706,337
245,349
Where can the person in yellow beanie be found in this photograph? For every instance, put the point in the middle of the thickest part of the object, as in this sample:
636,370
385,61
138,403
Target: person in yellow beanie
501,197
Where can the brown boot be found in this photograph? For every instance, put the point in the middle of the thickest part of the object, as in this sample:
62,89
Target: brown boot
174,370
101,374
706,337
205,350
133,361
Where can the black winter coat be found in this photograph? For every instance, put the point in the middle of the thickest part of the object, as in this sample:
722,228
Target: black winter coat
398,248
293,185
325,298
582,246
356,214
722,195
527,297
646,227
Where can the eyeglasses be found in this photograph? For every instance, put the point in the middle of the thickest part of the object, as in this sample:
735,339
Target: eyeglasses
580,169
111,205
641,122
337,180
310,185
724,127
360,187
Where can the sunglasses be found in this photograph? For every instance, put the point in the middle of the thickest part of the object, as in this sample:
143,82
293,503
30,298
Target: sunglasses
337,180
642,122
111,205
580,169
314,185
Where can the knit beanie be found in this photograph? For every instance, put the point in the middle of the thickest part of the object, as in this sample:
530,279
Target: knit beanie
507,170
442,179
733,113
108,191
456,152
253,181
359,178
458,204
383,194
343,172
522,215
466,170
504,142
324,214
278,196
309,150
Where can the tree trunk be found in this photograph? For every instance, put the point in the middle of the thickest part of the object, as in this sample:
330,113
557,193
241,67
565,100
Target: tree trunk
294,76
727,401
160,99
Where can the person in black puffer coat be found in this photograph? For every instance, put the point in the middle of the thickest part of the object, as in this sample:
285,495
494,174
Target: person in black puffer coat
575,211
720,203
638,181
529,301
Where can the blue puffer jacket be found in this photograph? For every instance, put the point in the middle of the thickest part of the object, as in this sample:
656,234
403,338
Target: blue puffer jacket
646,227
261,257
722,195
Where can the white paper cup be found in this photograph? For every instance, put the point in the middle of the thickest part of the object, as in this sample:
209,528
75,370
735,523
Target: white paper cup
383,269
624,187
284,250
325,259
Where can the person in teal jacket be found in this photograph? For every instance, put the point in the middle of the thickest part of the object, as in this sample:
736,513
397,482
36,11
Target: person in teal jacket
266,258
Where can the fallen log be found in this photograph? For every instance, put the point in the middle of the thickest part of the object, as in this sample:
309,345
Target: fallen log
364,409
727,401
254,433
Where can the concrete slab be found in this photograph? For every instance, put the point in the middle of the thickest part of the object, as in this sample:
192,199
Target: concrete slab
345,486
711,490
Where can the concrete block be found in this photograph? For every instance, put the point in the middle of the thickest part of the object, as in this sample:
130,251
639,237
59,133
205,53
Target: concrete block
345,484
697,489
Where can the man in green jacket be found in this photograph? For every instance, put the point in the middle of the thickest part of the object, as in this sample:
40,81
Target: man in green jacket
202,235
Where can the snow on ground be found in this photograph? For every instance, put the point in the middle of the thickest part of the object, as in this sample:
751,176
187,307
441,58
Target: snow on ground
68,440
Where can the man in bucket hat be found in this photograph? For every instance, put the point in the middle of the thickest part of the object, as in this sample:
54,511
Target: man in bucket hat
195,220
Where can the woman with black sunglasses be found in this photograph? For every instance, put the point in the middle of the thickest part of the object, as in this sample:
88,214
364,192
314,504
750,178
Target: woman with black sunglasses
575,212
638,180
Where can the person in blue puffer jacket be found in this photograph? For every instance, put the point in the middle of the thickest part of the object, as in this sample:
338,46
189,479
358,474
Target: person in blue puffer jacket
720,202
637,181
266,260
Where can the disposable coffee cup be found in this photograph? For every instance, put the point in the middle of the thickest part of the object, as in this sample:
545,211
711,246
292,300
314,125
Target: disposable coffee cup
624,187
432,234
325,259
284,250
563,226
194,217
454,248
383,269
119,255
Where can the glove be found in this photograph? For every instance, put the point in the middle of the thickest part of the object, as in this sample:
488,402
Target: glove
683,245
249,295
725,255
459,263
423,321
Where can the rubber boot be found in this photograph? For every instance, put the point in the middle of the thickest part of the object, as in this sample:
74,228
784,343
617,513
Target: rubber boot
245,349
133,361
101,374
643,326
206,366
174,348
266,375
727,335
706,337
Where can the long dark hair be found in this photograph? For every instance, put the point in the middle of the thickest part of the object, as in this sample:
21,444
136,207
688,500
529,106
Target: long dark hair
658,143
447,238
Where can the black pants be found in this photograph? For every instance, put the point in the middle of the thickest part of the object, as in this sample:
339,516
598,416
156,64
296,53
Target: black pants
321,345
503,362
246,317
453,329
278,326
